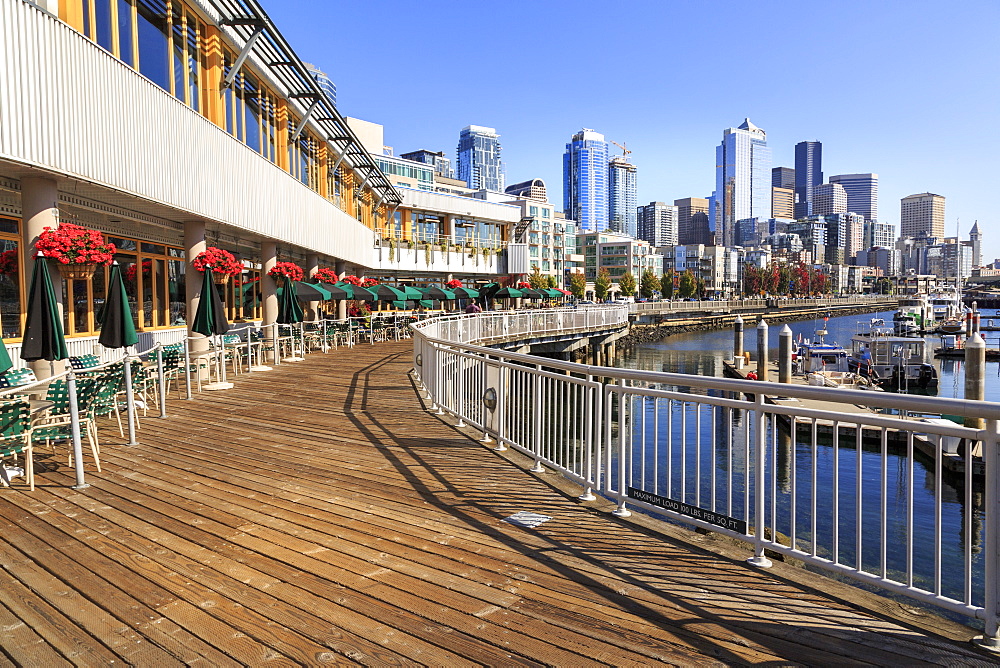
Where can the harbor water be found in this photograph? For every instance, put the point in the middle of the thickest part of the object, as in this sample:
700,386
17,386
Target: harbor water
707,472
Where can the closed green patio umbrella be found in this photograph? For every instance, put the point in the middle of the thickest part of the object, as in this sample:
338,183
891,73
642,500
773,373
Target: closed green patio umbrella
115,316
5,362
43,332
210,318
289,309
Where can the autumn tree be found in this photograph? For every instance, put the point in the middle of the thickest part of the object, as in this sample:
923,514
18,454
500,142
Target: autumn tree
648,283
688,285
667,284
602,284
626,284
537,280
578,285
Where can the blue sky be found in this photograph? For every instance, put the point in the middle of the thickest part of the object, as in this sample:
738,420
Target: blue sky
908,90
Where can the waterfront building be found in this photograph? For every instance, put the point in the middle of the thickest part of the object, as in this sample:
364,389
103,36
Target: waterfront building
828,198
717,267
878,234
923,212
782,202
622,196
742,180
479,162
657,222
975,238
540,240
617,253
442,165
324,82
783,177
808,175
533,189
692,221
862,193
585,181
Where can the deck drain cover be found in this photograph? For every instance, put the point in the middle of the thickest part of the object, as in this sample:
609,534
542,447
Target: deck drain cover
526,519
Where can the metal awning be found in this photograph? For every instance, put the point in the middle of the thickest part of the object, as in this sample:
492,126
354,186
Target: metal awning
246,23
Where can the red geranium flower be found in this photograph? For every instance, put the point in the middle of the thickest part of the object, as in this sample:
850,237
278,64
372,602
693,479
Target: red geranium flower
72,244
288,270
326,275
453,283
221,261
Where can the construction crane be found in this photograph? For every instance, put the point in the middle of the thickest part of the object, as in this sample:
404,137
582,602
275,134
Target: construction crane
625,151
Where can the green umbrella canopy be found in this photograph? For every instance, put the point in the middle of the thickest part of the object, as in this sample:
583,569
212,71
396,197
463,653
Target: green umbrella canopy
210,318
115,317
43,332
354,292
289,309
5,362
310,292
552,292
391,293
435,292
465,293
507,293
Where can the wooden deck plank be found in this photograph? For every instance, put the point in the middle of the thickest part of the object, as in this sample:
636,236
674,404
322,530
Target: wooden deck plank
317,513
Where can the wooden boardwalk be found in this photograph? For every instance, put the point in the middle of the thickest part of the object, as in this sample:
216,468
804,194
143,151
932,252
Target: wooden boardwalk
316,514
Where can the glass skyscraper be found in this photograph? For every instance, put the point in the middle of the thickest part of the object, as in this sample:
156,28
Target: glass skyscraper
621,197
742,180
862,193
808,175
479,163
585,181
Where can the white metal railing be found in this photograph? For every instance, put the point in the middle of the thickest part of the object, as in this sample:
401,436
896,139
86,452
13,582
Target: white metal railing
850,481
642,308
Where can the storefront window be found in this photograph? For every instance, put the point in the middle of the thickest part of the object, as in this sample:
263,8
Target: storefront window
10,281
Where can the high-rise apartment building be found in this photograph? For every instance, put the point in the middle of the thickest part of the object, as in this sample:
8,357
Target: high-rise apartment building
783,202
879,234
808,175
844,236
585,181
323,81
742,180
828,198
923,212
442,165
658,224
692,221
783,177
862,193
479,163
621,196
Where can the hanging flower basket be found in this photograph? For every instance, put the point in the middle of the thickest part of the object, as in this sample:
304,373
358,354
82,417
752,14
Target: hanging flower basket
77,272
223,263
326,275
77,250
286,270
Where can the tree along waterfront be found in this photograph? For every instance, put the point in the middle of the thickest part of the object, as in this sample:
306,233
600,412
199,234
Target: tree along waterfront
713,440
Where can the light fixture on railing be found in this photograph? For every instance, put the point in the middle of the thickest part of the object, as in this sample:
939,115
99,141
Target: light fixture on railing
490,399
419,359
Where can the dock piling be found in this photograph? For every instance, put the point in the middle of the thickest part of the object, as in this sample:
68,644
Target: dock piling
785,355
975,375
762,350
738,337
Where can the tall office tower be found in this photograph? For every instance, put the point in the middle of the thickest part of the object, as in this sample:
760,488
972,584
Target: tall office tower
585,181
828,198
658,223
923,212
879,234
783,202
621,196
976,239
692,221
783,177
325,82
479,163
533,189
442,165
742,180
862,193
845,234
808,175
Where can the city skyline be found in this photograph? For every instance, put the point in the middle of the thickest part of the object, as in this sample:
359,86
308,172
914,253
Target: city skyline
936,146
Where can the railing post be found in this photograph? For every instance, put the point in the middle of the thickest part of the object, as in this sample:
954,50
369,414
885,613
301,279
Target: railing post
74,419
537,421
621,510
162,381
991,551
760,443
187,367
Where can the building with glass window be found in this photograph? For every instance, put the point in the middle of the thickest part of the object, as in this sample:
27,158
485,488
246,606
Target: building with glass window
862,193
442,165
585,181
742,180
783,177
617,253
808,175
828,198
692,221
658,223
479,163
621,197
324,81
922,213
171,127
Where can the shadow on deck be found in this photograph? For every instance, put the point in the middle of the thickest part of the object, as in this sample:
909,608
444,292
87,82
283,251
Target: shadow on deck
316,514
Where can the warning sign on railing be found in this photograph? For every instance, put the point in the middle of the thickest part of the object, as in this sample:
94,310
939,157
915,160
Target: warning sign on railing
710,516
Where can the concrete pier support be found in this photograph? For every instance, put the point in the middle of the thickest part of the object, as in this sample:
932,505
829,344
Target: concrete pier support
975,376
762,362
785,355
738,337
40,209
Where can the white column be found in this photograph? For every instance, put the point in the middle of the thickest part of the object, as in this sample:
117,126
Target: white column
341,268
194,243
312,266
269,291
40,209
